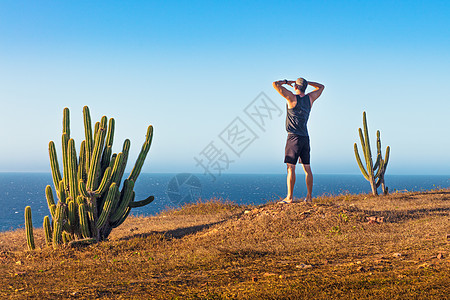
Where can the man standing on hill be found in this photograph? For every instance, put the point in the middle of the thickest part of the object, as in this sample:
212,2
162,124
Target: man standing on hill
297,145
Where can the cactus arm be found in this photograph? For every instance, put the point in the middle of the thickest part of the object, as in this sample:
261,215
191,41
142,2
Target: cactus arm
378,183
73,168
142,155
56,174
111,200
377,164
117,168
96,155
62,193
96,128
380,169
125,199
83,218
104,184
92,214
110,135
122,219
65,142
106,158
47,231
142,202
123,164
383,167
361,166
81,172
113,160
72,216
82,188
66,121
367,150
88,136
53,211
49,196
58,225
29,228
363,148
386,158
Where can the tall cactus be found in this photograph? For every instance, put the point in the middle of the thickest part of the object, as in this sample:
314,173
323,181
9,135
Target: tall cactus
374,173
91,201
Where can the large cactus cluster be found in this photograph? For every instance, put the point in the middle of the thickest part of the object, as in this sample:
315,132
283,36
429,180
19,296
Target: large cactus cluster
90,198
374,173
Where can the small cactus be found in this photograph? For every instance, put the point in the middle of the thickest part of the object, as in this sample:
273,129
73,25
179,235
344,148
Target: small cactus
374,173
48,231
29,228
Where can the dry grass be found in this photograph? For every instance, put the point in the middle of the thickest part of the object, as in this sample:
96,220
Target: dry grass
217,250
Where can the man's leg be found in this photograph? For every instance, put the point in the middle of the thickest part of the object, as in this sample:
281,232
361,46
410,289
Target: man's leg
309,182
290,182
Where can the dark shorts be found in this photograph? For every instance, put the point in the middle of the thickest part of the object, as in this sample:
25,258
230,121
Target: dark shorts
297,146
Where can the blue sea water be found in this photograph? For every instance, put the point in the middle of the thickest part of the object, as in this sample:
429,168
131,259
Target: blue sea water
18,190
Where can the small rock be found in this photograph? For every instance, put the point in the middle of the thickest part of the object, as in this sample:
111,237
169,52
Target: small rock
247,211
303,266
397,255
440,256
281,276
375,220
423,266
19,263
269,274
254,279
361,269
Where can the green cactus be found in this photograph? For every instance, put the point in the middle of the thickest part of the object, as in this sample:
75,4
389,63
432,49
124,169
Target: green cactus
374,173
29,228
58,223
48,231
84,225
91,201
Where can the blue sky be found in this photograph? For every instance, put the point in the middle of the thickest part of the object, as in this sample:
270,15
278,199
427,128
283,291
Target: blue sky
191,68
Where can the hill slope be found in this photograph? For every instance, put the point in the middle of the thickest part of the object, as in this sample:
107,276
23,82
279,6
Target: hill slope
352,246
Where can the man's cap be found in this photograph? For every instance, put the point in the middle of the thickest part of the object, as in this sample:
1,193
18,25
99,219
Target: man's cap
302,83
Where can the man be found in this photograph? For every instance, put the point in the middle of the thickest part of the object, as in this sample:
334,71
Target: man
297,145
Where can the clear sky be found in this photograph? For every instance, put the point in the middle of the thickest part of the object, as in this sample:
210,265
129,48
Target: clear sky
191,68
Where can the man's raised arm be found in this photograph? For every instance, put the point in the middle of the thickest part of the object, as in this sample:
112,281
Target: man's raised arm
318,89
287,94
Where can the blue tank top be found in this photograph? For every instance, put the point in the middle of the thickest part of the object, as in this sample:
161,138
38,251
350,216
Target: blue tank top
297,117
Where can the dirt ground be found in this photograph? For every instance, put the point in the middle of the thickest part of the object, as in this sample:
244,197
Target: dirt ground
348,246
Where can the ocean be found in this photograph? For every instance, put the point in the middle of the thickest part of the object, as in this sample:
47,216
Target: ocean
18,190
